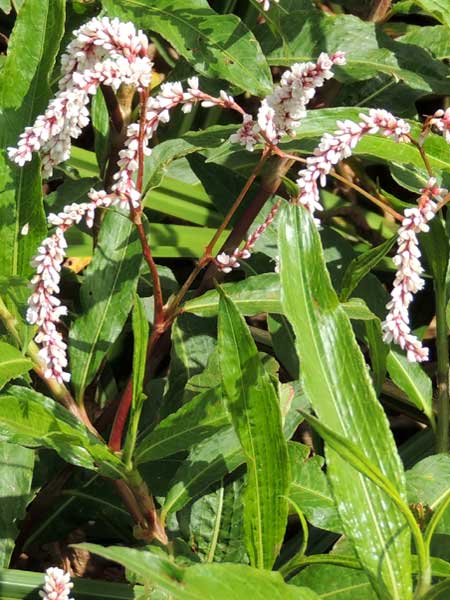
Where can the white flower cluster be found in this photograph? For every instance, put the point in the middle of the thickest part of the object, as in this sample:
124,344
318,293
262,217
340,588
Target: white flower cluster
335,147
441,119
158,111
104,51
227,262
281,112
266,3
407,281
57,585
44,307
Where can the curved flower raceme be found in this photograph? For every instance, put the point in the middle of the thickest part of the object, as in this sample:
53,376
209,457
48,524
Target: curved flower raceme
281,112
44,307
227,262
335,147
408,281
104,51
57,585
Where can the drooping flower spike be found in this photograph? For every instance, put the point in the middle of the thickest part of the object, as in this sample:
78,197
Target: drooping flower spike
227,262
408,280
335,147
281,112
105,52
44,307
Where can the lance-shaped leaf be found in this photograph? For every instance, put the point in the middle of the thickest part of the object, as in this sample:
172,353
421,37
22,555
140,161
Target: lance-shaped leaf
218,46
260,293
194,421
310,489
337,383
24,91
361,265
218,581
30,419
106,296
256,416
16,474
412,379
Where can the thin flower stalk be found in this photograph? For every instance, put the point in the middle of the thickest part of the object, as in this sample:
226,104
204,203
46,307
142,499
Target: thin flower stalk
408,280
157,111
227,262
57,585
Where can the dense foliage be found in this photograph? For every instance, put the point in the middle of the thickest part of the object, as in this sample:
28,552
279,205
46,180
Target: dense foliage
224,299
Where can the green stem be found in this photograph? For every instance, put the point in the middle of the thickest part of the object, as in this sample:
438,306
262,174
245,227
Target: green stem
442,430
298,562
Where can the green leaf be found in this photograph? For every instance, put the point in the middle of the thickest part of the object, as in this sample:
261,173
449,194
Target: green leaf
30,419
310,489
256,416
437,9
337,383
198,582
283,342
260,293
193,341
216,524
368,50
412,379
106,296
100,123
336,582
16,474
217,46
435,38
196,420
140,335
361,265
24,91
428,482
140,328
208,462
12,363
357,310
215,457
435,244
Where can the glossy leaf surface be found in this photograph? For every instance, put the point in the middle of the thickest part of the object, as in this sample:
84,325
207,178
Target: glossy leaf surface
31,419
204,580
106,296
256,416
339,388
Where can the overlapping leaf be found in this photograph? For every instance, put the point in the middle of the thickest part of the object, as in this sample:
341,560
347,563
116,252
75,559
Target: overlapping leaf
218,46
107,297
256,416
339,388
33,420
